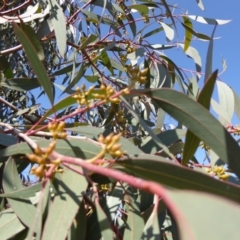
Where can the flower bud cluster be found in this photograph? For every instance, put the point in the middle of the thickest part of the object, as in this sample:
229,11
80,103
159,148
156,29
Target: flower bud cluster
81,95
106,94
137,74
219,171
42,157
111,144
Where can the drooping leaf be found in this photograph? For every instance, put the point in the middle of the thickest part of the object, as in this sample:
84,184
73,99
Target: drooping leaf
135,222
200,4
71,147
222,113
165,172
168,31
226,100
94,132
194,206
7,140
32,36
24,192
188,34
189,29
65,205
58,20
204,98
208,20
34,61
198,120
193,53
12,182
10,225
104,223
236,104
209,60
142,9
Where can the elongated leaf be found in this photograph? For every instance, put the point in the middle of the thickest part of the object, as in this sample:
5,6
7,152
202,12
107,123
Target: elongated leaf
168,31
209,60
169,13
236,104
193,53
194,207
198,120
24,192
222,113
12,182
208,20
91,38
142,9
75,148
10,225
7,140
165,172
34,61
200,4
167,137
104,223
135,222
152,32
65,205
59,25
188,34
146,128
226,99
151,229
204,98
189,28
34,40
94,132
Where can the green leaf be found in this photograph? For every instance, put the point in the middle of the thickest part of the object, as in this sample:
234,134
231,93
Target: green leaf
198,120
166,173
71,147
188,34
193,207
106,61
167,137
7,140
34,61
236,104
105,227
12,182
58,20
192,142
151,230
189,29
65,205
193,53
200,4
208,20
146,128
24,192
226,100
10,225
168,12
6,68
76,79
91,38
152,32
32,36
135,222
168,31
222,113
94,132
142,9
209,62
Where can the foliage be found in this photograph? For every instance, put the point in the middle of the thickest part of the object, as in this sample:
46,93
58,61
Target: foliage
102,162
